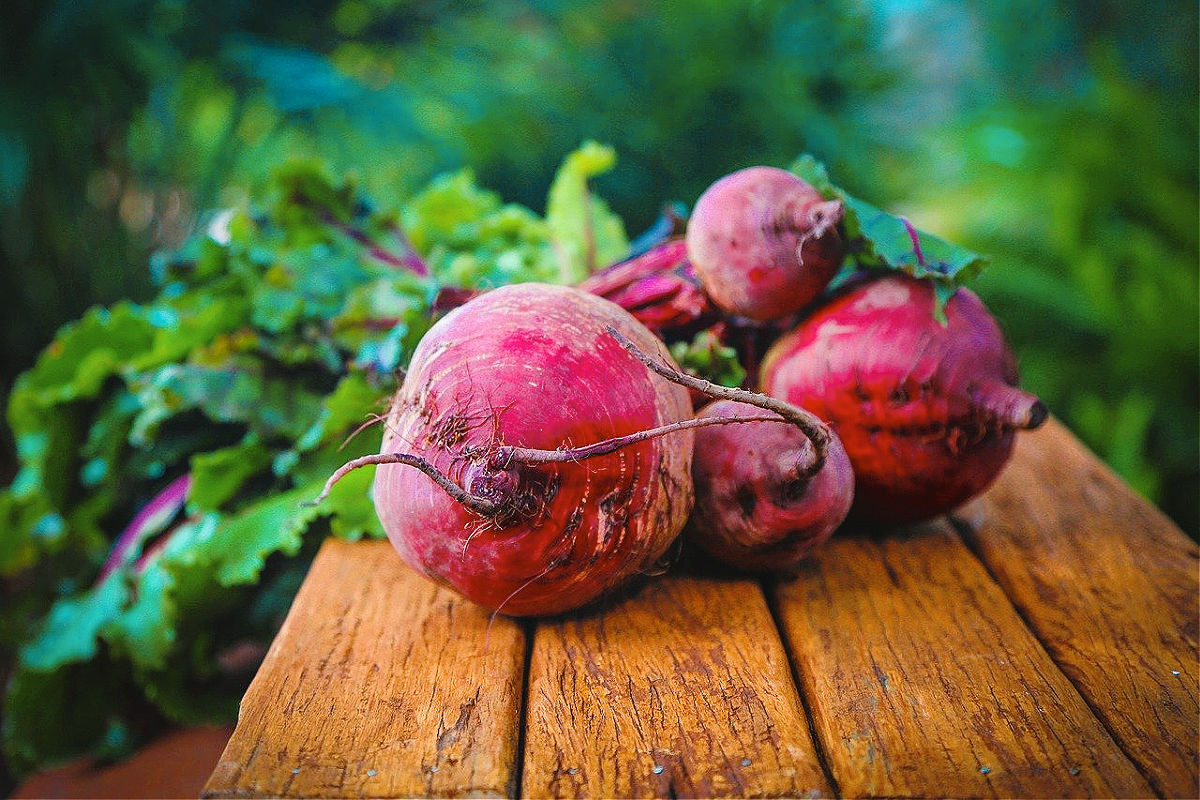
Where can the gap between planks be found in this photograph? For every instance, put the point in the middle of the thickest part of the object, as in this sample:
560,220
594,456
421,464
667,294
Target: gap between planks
1111,588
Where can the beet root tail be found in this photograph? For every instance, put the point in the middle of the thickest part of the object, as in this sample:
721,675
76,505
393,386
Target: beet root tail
1011,406
821,242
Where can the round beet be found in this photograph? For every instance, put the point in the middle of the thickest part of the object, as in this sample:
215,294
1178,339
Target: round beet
756,508
764,242
533,367
926,411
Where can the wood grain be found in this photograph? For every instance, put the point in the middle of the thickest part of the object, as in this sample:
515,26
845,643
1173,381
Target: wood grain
379,684
1111,587
924,682
682,690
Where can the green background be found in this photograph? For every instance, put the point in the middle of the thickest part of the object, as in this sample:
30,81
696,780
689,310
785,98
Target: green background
1060,138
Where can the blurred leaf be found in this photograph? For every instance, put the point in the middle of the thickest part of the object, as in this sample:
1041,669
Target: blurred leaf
14,167
239,546
878,240
76,364
302,82
37,702
72,630
233,394
217,476
707,358
584,229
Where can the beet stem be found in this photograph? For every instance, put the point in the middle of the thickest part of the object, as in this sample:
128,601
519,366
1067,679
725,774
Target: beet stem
916,241
477,504
819,227
817,431
506,454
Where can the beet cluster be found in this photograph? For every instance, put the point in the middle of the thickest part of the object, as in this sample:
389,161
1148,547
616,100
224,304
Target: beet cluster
543,449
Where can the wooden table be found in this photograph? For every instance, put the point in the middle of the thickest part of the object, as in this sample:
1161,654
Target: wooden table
1041,642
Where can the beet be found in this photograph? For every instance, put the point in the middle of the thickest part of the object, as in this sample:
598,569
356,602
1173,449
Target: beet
927,411
532,366
764,243
756,509
538,454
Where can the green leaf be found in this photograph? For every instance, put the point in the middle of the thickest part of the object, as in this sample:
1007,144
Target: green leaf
351,509
587,233
446,209
350,405
233,394
707,358
238,545
877,240
394,308
71,632
307,198
106,441
145,628
217,476
51,716
191,322
81,358
305,284
21,520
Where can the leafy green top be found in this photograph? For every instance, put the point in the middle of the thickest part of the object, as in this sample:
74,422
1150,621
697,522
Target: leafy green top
878,241
276,333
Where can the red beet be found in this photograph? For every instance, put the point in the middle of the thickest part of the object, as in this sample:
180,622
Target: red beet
764,242
532,366
756,509
538,455
926,411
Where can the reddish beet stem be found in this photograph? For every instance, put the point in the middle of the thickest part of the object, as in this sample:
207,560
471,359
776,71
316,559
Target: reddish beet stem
524,455
479,505
149,520
916,241
506,455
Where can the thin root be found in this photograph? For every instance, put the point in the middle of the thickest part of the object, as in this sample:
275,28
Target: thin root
817,431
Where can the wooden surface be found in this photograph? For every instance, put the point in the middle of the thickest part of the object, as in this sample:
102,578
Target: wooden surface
1109,587
683,690
380,684
1040,642
960,696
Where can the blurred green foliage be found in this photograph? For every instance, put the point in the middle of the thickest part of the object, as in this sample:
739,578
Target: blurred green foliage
1057,137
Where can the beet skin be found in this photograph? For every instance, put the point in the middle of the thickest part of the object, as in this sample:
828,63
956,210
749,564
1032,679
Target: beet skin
927,412
755,509
532,366
764,243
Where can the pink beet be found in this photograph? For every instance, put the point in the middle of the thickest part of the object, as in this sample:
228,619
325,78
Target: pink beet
532,366
926,411
756,509
764,242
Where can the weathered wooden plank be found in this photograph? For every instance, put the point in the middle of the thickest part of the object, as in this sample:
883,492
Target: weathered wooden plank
923,681
682,690
379,684
1110,586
